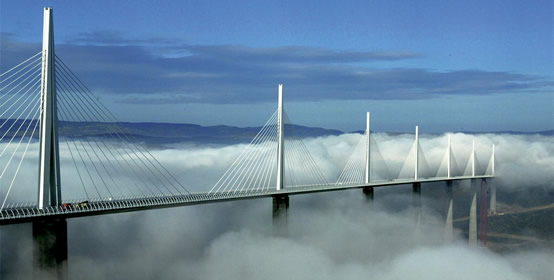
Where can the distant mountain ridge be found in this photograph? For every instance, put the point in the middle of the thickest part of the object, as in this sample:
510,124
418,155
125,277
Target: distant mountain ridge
217,134
167,133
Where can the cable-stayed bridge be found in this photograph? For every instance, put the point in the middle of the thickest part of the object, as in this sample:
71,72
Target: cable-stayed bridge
47,110
86,163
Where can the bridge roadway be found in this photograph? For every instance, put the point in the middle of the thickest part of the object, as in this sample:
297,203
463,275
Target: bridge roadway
30,213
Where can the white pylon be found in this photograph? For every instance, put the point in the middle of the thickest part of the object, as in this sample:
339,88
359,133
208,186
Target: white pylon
473,159
49,188
281,142
416,175
448,158
367,149
492,159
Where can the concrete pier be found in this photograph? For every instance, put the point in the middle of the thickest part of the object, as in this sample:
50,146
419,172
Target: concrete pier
50,249
416,188
368,193
280,213
449,225
472,238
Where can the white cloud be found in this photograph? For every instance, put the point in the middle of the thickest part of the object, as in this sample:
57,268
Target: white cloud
331,236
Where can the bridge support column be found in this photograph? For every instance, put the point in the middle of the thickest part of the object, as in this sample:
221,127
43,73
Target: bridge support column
280,213
416,198
449,184
472,233
368,193
449,225
50,249
416,188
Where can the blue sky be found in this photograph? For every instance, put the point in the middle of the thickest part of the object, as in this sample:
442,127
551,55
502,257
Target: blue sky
443,65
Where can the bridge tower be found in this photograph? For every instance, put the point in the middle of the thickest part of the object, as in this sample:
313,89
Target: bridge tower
473,159
449,164
416,175
368,191
492,161
280,201
281,142
493,186
49,236
449,158
49,188
416,187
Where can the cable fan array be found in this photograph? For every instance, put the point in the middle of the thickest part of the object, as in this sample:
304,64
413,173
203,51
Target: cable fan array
354,171
19,113
379,168
109,163
255,169
108,159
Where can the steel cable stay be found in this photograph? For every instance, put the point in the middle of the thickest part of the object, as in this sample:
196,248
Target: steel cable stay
320,178
252,160
355,168
477,164
246,164
76,167
19,65
353,163
407,169
78,87
84,109
231,183
299,154
266,154
148,178
20,126
296,171
77,115
32,67
305,157
238,161
65,115
30,82
455,168
424,170
28,100
270,167
21,160
37,111
301,161
260,160
467,169
379,170
442,170
82,161
101,161
93,162
84,91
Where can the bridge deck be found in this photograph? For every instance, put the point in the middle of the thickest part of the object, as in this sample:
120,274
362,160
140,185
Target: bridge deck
24,214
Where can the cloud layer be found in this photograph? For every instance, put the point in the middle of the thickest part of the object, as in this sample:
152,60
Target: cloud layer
333,235
522,161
